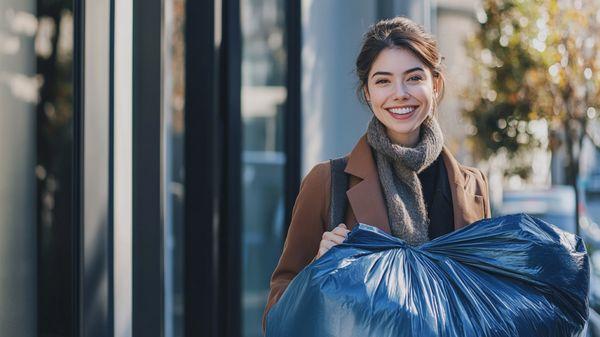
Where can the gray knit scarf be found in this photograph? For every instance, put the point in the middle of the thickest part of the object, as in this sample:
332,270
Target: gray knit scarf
398,167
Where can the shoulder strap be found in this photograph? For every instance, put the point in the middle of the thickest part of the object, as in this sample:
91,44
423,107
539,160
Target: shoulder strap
339,185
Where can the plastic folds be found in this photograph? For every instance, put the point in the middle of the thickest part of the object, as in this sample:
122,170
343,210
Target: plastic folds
508,276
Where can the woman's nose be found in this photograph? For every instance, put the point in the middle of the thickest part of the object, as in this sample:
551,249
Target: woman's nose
400,91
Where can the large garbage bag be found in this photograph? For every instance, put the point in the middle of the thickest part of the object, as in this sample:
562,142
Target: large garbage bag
509,276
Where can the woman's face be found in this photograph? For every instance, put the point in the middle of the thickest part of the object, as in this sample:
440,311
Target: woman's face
400,89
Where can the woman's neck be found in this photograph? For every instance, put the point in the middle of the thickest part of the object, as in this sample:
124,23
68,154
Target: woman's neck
404,139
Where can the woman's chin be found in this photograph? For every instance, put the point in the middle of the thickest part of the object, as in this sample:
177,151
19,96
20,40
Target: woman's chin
402,130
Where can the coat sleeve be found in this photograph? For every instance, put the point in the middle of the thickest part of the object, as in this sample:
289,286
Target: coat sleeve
307,225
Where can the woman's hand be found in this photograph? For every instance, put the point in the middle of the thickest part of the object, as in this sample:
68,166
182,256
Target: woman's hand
333,238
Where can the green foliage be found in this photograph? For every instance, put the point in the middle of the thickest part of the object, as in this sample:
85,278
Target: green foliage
533,61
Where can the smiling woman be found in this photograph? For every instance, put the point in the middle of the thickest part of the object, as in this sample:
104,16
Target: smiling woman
401,178
401,92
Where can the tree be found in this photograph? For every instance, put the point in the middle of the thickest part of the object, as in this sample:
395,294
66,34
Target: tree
536,64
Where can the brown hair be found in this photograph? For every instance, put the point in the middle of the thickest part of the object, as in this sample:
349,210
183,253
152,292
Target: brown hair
399,32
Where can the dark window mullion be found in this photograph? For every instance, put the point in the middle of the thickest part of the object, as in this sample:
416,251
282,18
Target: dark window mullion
231,204
147,232
204,170
78,145
293,115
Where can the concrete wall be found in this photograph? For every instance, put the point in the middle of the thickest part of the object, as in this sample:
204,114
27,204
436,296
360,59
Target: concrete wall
455,21
332,117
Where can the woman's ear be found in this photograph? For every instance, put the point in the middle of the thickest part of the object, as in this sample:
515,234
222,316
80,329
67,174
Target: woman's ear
437,85
366,93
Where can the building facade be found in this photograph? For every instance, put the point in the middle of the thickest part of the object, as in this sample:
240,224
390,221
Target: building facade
156,148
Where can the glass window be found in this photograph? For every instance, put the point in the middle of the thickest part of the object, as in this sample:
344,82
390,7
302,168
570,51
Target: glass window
263,100
36,122
173,112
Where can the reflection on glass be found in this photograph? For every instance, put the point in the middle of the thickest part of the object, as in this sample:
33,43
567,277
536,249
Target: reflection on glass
18,94
263,98
173,108
36,88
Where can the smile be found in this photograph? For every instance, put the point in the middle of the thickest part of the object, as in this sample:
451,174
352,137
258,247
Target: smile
402,112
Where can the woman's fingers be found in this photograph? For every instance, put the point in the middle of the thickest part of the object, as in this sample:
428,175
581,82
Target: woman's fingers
321,252
327,244
331,236
341,230
324,246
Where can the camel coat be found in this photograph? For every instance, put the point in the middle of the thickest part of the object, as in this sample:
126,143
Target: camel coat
310,216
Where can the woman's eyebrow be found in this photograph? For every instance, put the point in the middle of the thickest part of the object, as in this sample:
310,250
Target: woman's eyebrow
406,72
414,69
381,73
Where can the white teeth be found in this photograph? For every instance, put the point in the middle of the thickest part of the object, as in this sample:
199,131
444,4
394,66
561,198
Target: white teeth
402,111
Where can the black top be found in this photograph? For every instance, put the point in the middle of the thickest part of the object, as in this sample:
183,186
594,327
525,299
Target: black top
438,198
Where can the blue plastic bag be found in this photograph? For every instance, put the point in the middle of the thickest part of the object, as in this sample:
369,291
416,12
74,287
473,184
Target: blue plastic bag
509,276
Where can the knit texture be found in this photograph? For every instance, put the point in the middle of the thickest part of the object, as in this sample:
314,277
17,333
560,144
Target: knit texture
398,167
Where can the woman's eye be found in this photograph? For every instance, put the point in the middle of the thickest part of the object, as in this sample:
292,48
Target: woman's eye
381,81
415,78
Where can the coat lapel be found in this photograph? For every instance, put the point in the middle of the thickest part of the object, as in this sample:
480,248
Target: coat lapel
366,196
467,206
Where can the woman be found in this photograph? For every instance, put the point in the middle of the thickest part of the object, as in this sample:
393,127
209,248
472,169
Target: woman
401,177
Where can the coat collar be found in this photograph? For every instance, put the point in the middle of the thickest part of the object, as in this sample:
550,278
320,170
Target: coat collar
367,200
366,197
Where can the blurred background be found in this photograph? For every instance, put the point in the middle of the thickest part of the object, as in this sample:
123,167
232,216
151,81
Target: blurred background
152,150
